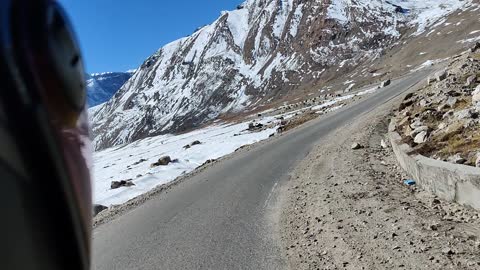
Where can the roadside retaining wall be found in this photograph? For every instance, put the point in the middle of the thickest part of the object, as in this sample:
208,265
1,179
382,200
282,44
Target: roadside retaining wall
451,182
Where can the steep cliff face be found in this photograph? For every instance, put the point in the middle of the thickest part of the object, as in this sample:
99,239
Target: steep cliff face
258,53
102,86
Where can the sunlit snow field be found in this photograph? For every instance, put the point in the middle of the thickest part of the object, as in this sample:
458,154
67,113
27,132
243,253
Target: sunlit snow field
122,162
117,163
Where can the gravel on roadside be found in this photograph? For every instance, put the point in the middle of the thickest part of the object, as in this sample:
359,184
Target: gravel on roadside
350,209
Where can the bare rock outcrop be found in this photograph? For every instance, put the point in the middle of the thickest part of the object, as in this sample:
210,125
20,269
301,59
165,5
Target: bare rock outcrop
441,120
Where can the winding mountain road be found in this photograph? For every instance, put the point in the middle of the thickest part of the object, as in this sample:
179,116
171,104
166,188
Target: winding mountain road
225,217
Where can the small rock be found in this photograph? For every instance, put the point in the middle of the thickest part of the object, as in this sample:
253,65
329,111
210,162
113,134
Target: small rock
443,107
356,146
448,114
404,121
418,130
128,183
417,124
97,208
477,107
475,47
471,80
254,126
454,93
424,103
477,162
441,75
451,101
192,144
435,202
115,185
195,143
163,161
408,96
383,144
448,251
209,162
140,161
122,183
476,94
457,159
463,114
420,137
405,104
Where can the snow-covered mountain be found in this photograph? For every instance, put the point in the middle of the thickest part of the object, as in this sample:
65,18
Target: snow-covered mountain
102,86
260,52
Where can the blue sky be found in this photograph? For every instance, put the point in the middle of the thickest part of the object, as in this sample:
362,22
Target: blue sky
117,35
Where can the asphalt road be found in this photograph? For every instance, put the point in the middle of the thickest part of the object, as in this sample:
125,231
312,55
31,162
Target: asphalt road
225,216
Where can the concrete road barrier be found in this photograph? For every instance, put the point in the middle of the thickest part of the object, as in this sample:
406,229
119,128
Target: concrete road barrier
451,182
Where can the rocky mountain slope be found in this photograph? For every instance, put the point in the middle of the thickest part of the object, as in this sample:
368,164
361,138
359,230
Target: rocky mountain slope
441,121
102,86
262,52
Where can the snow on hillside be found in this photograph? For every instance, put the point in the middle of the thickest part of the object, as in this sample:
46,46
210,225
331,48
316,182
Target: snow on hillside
125,162
261,52
119,163
421,14
430,12
102,86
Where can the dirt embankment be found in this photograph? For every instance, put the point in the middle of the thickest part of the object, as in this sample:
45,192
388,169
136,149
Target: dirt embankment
349,209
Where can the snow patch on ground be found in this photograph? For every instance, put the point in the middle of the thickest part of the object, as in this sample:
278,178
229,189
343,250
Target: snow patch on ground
336,100
430,12
120,163
420,13
133,161
428,63
469,40
338,10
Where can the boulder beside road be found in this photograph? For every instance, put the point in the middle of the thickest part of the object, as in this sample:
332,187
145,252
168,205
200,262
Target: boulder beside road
122,183
97,208
356,146
163,161
476,95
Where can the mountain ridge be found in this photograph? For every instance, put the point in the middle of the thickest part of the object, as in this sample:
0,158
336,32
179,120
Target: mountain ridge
102,86
259,53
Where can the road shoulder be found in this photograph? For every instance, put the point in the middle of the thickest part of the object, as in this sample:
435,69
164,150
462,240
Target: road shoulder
349,209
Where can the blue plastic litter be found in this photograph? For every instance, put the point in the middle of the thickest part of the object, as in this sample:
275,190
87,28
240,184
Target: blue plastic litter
409,182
